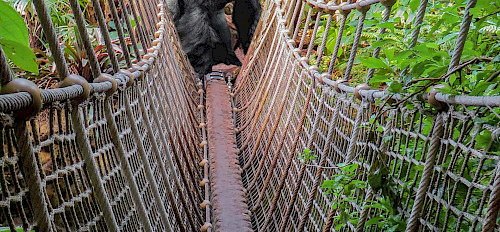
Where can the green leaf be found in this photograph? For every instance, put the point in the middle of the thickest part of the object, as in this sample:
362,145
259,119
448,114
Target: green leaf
327,184
402,55
112,25
376,80
348,189
414,4
20,55
436,26
7,229
344,217
393,228
388,25
330,43
12,26
375,206
373,220
483,138
423,51
359,184
381,43
375,180
14,39
432,45
448,90
480,88
132,22
395,87
447,38
373,62
451,18
389,53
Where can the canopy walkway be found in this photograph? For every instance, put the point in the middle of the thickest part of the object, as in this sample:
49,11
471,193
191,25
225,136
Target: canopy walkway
152,147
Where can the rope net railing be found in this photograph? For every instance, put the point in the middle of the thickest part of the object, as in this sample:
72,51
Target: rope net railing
429,165
124,150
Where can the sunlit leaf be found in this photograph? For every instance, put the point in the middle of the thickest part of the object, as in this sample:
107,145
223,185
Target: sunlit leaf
373,62
14,39
20,55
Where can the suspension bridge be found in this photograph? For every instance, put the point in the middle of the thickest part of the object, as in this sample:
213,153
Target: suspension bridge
155,147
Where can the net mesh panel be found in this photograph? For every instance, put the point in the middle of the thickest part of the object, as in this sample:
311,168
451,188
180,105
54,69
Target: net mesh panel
136,164
15,202
110,169
270,96
164,109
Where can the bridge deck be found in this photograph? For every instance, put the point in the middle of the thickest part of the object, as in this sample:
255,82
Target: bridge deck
229,204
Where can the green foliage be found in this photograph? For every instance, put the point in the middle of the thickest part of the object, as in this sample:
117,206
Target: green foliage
387,218
307,156
343,186
14,39
411,71
405,69
346,189
7,229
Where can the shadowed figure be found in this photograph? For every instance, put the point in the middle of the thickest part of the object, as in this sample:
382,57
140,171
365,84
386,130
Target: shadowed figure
204,33
246,15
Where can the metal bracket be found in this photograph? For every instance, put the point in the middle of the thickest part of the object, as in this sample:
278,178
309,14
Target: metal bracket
216,75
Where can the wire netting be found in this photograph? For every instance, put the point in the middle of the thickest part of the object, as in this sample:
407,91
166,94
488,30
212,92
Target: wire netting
441,165
126,160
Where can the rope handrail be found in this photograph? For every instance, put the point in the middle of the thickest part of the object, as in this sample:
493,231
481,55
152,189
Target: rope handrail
66,93
52,95
372,94
344,7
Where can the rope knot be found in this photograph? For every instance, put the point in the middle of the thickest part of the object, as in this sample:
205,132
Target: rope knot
137,68
106,77
361,7
130,76
203,162
343,11
323,77
77,80
23,85
359,87
206,226
336,85
388,3
204,204
431,98
204,182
